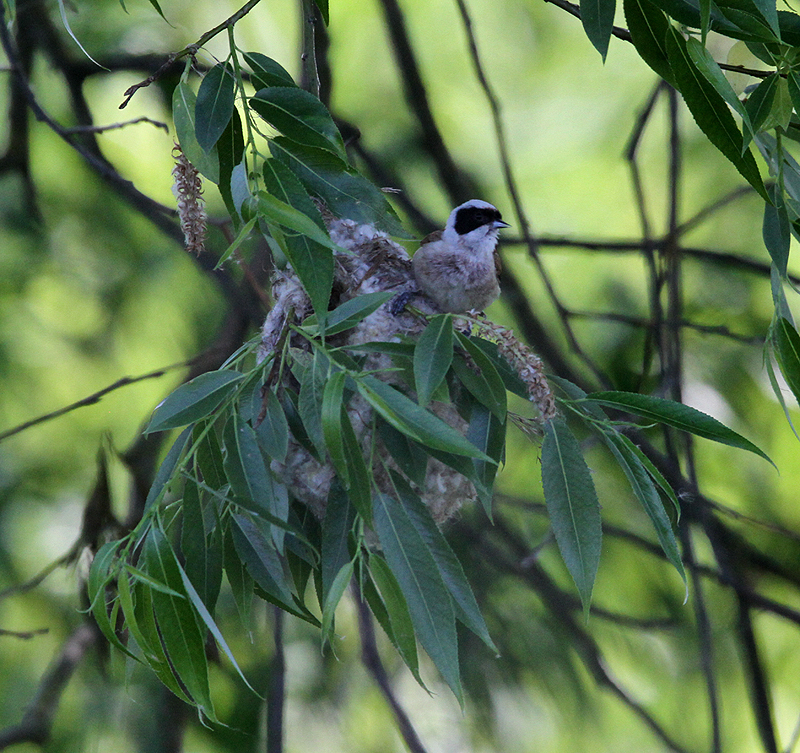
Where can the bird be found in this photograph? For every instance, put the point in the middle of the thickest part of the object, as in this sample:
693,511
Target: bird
458,267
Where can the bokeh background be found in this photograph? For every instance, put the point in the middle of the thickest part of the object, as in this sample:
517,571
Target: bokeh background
92,290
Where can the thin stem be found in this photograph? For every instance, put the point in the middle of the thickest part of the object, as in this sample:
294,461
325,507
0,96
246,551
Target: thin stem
189,50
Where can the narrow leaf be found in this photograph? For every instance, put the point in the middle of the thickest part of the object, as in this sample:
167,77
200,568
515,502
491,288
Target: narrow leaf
336,528
678,415
332,410
194,400
572,505
307,252
759,103
385,598
183,641
709,67
183,105
710,111
646,493
214,105
300,116
648,27
597,17
346,193
416,422
273,430
467,610
787,351
167,468
267,72
429,601
346,315
776,229
433,354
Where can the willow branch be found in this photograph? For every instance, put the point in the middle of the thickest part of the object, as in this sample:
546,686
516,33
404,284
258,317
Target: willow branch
189,50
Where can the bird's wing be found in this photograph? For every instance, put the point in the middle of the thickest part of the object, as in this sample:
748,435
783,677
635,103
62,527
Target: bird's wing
436,235
498,264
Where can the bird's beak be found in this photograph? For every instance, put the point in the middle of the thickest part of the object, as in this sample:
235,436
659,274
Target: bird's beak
500,223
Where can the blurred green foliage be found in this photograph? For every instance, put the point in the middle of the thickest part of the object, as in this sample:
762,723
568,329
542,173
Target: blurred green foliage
90,291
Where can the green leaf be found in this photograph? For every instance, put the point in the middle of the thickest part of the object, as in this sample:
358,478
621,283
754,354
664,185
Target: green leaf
208,456
100,576
230,149
202,552
710,111
769,11
597,17
183,104
433,354
572,505
267,72
336,528
167,468
214,105
208,620
272,431
759,103
414,421
346,315
243,235
487,433
309,252
467,610
140,621
239,579
281,213
645,491
793,81
359,491
487,384
323,9
429,600
177,622
194,400
678,415
776,229
344,191
155,4
299,116
648,27
264,565
410,457
705,63
787,351
386,600
312,391
334,596
332,410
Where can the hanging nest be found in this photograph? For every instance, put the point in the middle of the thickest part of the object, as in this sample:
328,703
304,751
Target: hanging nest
373,263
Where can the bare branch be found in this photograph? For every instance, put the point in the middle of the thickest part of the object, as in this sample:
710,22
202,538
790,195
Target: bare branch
189,50
38,719
372,661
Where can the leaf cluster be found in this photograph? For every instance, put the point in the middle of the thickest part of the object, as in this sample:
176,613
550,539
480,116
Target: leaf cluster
220,508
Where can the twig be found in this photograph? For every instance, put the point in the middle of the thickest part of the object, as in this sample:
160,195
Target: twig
24,635
457,185
372,661
189,50
636,321
276,693
114,126
623,34
93,398
308,58
38,719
